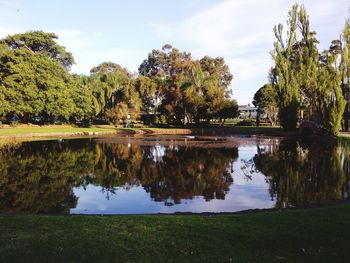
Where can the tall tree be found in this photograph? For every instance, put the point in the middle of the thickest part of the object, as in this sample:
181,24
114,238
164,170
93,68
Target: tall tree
34,83
190,90
330,101
40,42
345,69
147,91
283,74
111,84
303,79
168,67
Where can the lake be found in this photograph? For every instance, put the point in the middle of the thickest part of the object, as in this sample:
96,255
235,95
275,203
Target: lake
169,174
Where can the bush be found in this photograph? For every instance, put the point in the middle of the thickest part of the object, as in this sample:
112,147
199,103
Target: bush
161,119
86,123
246,122
14,123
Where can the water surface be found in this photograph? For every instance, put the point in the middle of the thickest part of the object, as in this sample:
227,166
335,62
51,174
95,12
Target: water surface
167,174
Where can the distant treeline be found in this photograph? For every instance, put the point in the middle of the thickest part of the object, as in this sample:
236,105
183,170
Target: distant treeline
37,86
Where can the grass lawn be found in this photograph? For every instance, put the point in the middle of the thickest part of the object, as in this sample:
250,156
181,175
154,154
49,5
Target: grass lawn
24,130
300,235
50,129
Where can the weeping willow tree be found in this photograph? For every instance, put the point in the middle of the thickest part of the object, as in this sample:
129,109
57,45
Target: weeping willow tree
307,84
114,96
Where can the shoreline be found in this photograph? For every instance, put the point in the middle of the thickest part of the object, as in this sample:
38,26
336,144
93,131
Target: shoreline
324,204
91,133
28,132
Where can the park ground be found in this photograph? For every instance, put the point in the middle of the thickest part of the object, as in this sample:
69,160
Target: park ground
55,131
319,234
294,235
32,131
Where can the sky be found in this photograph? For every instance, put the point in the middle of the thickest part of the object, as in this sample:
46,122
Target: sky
124,32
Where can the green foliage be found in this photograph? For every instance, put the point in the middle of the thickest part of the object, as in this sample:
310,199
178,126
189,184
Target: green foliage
228,110
39,42
111,85
147,91
283,74
246,122
330,100
265,100
190,90
34,80
288,115
118,113
344,69
307,84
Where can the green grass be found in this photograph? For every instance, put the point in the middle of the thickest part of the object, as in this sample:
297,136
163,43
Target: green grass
300,235
44,129
28,130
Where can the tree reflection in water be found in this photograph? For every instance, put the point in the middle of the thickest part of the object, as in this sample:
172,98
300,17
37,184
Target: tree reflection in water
39,177
304,172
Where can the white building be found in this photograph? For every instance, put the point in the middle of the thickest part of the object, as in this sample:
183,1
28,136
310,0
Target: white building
246,111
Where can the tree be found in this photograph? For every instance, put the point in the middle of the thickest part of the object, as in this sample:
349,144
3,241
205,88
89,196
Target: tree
83,98
118,113
265,101
195,95
190,90
330,102
40,42
168,68
35,84
283,73
111,84
217,68
229,109
147,91
344,68
305,80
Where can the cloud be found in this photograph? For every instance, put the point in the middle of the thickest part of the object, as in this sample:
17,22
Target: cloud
241,32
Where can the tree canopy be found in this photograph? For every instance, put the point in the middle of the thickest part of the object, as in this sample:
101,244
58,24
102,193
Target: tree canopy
40,42
307,83
35,82
190,90
32,84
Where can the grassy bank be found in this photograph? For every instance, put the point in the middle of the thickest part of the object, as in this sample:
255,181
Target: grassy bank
24,131
21,130
301,235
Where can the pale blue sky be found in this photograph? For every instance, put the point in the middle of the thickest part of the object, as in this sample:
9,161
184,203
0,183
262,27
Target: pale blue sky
126,31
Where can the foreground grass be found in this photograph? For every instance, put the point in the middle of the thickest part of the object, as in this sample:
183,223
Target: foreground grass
313,235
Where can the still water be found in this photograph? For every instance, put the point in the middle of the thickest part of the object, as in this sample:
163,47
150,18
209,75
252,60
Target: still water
168,174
